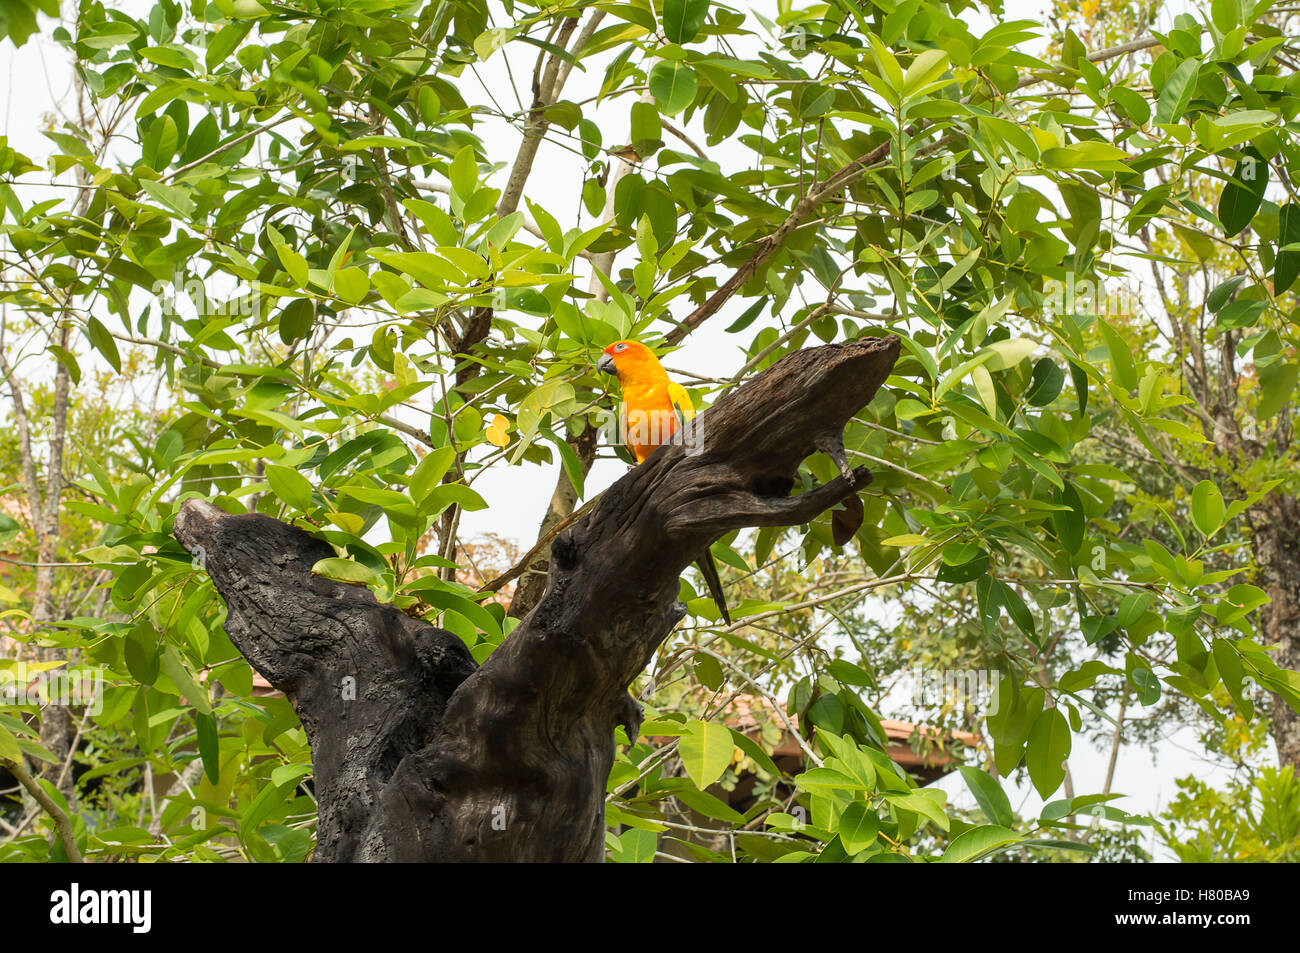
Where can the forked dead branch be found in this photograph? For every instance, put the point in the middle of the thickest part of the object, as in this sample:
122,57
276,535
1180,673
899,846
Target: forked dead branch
436,758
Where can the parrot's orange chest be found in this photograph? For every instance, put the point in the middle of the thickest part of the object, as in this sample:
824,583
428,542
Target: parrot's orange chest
649,418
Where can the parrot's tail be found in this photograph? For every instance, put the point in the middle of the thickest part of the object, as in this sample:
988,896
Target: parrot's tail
710,573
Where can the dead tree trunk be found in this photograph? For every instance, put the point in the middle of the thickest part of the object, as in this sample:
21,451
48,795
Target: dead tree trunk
435,758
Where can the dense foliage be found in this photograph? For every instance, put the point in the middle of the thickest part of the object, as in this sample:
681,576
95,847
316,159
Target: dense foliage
297,224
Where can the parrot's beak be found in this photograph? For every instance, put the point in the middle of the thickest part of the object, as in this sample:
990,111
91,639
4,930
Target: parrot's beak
606,365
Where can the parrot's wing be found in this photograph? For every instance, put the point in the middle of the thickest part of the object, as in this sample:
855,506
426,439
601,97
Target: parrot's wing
619,444
681,400
684,410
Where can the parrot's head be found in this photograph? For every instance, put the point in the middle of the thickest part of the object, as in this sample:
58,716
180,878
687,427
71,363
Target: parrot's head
630,360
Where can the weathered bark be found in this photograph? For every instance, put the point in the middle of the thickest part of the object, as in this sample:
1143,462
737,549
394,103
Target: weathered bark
1277,547
435,759
532,582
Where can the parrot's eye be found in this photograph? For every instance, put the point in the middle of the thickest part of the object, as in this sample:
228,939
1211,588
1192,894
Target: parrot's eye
620,346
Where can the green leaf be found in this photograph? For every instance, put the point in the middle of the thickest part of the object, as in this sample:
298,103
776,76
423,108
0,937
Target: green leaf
296,320
683,18
705,750
430,471
816,780
1046,751
1131,609
1238,602
752,748
141,653
68,360
978,843
174,197
1070,524
1079,377
1051,844
1207,508
1226,14
646,128
1018,610
924,801
1091,154
477,615
925,69
267,801
1132,103
1232,672
1121,357
850,674
1217,298
1045,384
223,43
463,496
858,827
464,173
345,570
1242,194
103,342
827,713
1147,685
184,681
351,284
489,41
988,794
289,774
159,144
674,85
209,752
708,805
983,382
1177,92
1287,266
294,264
636,847
1241,313
709,672
1277,383
290,486
1009,353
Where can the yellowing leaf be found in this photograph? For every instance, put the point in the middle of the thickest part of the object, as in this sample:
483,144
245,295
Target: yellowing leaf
348,522
498,431
906,539
9,750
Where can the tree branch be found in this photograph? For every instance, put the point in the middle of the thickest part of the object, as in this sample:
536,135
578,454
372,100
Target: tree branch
62,825
421,755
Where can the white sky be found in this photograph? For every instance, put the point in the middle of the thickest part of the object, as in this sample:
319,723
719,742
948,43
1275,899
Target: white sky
35,78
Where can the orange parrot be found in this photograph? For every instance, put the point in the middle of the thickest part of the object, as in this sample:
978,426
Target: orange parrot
652,404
